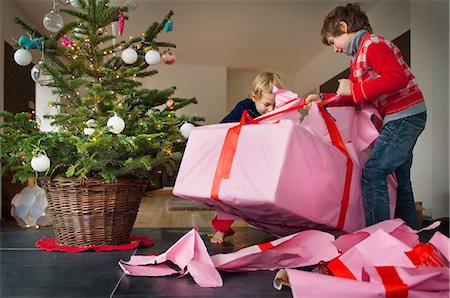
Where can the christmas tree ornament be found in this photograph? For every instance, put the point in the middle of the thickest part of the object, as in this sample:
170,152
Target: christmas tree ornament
38,73
76,3
129,56
131,4
168,57
40,163
91,123
152,57
186,129
22,57
168,26
170,103
88,131
53,21
116,124
114,29
121,23
79,32
31,43
29,207
65,41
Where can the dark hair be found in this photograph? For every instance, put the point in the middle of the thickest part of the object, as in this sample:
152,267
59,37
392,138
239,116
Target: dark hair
351,14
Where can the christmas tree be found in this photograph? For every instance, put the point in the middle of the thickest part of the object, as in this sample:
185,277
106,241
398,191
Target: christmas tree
107,126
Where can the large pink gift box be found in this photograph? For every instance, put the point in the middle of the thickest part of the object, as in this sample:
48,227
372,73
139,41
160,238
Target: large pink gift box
280,174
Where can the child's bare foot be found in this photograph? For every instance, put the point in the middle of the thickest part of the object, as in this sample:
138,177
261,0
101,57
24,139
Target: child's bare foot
218,238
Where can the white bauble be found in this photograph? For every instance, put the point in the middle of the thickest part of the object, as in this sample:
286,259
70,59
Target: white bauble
40,163
88,131
91,123
116,124
186,129
53,21
22,57
129,56
152,57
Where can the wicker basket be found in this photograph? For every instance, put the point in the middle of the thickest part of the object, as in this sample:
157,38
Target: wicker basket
93,212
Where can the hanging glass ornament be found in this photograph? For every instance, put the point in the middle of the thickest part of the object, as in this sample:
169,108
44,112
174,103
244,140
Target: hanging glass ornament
53,21
38,73
131,4
170,103
168,57
114,29
76,3
168,26
22,57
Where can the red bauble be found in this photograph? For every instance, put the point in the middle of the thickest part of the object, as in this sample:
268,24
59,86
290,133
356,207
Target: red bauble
168,57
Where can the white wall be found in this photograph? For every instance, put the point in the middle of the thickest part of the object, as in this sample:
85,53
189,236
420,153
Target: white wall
440,102
421,65
207,83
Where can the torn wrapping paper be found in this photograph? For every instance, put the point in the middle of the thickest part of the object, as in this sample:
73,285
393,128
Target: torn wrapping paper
297,250
376,263
189,254
283,96
379,265
281,175
410,282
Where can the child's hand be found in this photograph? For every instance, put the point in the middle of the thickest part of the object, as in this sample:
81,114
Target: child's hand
344,87
310,98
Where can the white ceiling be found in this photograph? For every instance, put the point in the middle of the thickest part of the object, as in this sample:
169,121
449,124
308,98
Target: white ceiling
247,35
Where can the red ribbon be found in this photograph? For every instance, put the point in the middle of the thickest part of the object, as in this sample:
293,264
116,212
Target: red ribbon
265,246
339,269
337,141
394,285
426,254
226,157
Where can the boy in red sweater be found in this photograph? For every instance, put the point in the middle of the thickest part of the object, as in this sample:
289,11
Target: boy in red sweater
379,74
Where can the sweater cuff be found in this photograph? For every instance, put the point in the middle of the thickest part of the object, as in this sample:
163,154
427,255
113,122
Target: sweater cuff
357,92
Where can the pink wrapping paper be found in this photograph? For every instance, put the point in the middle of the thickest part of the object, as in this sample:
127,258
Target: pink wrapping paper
297,250
422,282
285,176
381,261
189,254
442,243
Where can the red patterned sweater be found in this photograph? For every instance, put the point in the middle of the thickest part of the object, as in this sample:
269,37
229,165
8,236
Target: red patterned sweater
379,74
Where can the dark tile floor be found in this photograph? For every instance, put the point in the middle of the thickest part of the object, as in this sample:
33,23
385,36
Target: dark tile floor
27,271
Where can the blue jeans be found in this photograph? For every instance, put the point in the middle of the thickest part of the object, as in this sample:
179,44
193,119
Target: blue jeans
392,153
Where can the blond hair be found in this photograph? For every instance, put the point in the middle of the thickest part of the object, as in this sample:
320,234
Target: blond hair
265,81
